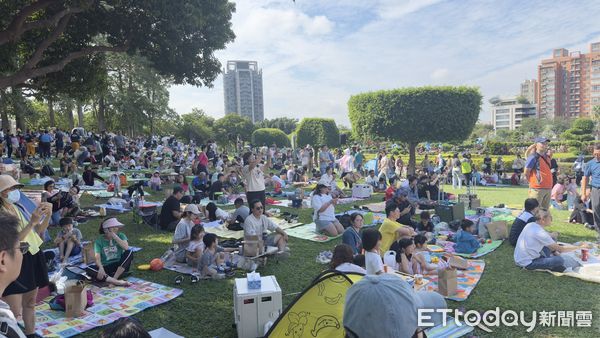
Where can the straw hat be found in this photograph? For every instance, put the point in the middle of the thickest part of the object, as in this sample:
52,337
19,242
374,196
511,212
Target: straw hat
7,182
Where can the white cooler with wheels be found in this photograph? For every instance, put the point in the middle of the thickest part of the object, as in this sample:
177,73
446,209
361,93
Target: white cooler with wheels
253,308
362,191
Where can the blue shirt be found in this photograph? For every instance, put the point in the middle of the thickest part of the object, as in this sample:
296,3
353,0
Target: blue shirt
352,238
593,170
466,243
46,138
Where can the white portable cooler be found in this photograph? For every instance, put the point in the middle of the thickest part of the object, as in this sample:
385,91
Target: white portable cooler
253,308
362,191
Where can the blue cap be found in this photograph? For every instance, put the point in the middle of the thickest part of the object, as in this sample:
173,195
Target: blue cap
541,139
401,192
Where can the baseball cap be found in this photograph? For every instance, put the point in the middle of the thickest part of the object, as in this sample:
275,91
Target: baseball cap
192,208
541,139
111,223
387,305
401,192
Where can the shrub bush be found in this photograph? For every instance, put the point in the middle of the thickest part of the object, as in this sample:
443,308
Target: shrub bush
269,136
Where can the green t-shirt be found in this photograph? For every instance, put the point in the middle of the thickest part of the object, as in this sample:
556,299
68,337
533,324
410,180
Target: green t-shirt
109,250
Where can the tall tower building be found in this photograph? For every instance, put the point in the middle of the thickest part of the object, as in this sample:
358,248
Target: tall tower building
529,90
242,86
569,83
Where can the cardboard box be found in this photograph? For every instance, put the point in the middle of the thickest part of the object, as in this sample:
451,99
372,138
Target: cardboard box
89,256
75,299
458,262
447,282
253,246
497,230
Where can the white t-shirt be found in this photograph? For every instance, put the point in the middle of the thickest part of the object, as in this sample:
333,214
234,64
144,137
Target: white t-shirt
532,240
372,180
255,179
257,226
317,202
349,267
222,214
290,175
373,263
194,245
327,180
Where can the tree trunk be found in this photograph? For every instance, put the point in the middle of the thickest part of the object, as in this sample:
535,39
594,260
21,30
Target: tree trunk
412,158
79,114
101,109
51,112
70,116
4,111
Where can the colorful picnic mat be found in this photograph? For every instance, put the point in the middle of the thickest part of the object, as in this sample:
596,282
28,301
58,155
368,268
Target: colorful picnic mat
467,280
451,330
588,271
485,249
221,230
110,304
307,231
76,260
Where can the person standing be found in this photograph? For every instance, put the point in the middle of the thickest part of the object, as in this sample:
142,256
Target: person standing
538,173
592,170
324,159
254,176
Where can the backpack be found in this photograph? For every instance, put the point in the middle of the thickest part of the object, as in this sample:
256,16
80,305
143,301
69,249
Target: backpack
344,220
465,167
47,170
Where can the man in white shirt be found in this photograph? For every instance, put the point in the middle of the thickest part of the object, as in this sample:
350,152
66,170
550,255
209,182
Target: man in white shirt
535,247
257,224
371,179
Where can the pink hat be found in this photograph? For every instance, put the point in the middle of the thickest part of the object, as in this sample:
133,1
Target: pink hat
111,223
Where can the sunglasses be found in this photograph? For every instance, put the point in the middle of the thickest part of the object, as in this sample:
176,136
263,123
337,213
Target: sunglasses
258,208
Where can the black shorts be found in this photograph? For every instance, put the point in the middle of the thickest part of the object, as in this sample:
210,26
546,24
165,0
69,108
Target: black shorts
256,195
34,274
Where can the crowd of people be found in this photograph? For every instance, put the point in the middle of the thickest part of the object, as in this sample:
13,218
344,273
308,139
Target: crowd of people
259,172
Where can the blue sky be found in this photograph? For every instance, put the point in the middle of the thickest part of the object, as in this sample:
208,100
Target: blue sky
316,54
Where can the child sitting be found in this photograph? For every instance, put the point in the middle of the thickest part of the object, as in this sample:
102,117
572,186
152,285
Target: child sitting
381,185
155,181
425,225
195,247
68,240
212,264
558,194
466,242
371,239
391,190
407,259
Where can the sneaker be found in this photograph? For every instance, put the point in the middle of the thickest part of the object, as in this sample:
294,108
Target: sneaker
283,254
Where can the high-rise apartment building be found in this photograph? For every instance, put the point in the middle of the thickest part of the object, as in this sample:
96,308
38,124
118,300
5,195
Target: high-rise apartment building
569,83
242,86
508,113
529,90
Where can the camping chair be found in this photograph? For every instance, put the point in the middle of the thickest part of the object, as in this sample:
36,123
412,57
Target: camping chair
147,214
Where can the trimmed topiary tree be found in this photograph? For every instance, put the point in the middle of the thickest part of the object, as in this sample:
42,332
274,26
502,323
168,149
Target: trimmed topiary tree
317,131
582,130
268,136
414,115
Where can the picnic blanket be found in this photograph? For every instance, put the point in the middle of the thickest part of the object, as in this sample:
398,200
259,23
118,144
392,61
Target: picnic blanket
467,280
451,330
377,218
77,260
376,207
110,304
118,207
221,230
483,250
97,186
588,271
100,193
307,231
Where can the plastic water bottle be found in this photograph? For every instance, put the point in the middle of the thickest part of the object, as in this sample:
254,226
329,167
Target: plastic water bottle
167,255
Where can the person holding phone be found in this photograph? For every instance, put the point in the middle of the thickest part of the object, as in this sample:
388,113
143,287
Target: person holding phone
112,254
324,211
254,176
21,294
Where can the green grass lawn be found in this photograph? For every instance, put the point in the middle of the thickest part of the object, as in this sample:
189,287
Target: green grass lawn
206,309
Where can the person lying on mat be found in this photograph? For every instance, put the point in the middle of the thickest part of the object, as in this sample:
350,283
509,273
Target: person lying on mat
343,260
466,242
68,240
113,256
324,211
257,224
526,217
537,249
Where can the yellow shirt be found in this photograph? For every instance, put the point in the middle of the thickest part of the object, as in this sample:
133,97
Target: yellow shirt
32,237
388,234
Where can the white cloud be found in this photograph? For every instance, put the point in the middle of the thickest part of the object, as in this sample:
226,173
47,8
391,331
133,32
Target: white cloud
315,55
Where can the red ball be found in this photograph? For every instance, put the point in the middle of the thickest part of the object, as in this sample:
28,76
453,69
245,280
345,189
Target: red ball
156,264
489,241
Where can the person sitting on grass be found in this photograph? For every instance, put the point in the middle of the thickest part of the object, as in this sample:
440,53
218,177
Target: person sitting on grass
195,247
343,260
582,213
391,190
155,181
558,194
407,259
237,218
391,230
324,212
371,179
214,213
89,176
113,256
526,217
257,224
371,239
537,249
217,187
182,235
351,235
466,242
381,185
68,240
213,264
425,225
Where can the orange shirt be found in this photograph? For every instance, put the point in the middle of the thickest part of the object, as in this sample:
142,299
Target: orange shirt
545,173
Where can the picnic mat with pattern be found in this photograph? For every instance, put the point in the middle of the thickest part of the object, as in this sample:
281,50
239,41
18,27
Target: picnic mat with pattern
451,330
467,280
110,304
588,271
483,250
77,260
307,231
221,230
376,207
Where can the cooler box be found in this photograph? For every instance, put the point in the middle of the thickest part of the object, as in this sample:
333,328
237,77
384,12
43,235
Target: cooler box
449,212
252,309
470,201
362,191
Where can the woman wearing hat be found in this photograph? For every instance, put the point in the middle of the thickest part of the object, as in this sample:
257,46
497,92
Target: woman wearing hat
181,237
113,256
21,294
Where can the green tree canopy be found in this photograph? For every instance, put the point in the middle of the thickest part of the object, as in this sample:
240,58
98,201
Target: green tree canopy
196,126
285,124
233,126
413,115
581,130
269,136
317,131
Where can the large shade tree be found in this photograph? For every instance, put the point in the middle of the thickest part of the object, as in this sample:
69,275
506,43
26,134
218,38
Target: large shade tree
414,115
